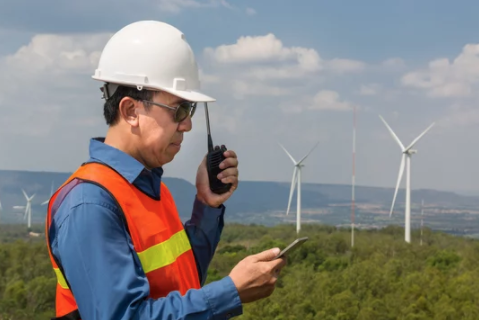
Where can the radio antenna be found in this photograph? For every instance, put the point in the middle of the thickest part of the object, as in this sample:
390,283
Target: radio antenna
210,141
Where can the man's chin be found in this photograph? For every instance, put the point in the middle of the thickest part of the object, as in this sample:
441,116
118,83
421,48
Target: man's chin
172,152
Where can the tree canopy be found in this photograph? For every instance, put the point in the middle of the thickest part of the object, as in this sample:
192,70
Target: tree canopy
381,277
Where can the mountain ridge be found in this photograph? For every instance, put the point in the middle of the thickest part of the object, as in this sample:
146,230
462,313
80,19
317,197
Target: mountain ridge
253,201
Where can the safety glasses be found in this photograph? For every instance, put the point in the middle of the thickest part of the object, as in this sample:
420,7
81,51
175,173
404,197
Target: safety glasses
182,111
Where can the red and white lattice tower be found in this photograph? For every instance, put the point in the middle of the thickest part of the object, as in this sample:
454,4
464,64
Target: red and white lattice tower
353,177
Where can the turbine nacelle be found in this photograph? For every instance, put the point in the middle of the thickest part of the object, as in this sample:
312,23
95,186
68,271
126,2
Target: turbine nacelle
410,152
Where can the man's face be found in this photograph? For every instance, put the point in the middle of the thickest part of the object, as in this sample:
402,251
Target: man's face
160,136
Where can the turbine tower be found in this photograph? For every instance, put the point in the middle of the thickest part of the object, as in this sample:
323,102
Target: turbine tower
28,209
296,179
405,160
1,209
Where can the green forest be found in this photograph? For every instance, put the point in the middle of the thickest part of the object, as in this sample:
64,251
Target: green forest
381,277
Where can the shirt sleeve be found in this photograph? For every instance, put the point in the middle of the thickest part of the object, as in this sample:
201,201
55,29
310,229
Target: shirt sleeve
204,231
105,274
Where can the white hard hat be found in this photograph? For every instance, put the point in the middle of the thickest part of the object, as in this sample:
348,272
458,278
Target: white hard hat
151,55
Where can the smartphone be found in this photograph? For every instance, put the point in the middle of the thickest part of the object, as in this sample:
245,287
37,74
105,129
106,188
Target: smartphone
295,244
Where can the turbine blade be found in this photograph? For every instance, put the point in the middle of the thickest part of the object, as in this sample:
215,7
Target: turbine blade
309,152
401,171
51,192
291,190
25,194
393,134
26,211
292,159
419,137
1,206
45,202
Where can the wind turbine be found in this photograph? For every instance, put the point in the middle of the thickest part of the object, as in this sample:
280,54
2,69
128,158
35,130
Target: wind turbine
1,209
28,209
296,178
51,194
405,160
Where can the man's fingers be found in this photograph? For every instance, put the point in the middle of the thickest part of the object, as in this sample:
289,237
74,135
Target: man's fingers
230,153
231,179
229,162
228,172
278,263
275,274
266,255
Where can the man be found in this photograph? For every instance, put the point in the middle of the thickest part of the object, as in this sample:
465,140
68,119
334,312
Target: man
115,239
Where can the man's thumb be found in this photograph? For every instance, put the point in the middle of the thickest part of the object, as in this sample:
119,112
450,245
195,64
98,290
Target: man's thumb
267,255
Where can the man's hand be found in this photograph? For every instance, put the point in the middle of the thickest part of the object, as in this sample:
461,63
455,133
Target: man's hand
228,175
255,276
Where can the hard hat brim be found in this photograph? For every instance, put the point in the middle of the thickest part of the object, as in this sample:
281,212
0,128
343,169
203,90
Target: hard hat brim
194,96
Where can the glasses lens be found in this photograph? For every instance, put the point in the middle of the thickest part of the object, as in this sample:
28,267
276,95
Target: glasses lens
184,109
193,109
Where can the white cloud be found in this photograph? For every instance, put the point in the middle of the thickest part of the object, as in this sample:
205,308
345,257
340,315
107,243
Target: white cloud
250,11
459,116
242,89
329,100
260,49
345,65
278,73
322,100
48,76
58,53
263,65
371,89
259,64
394,63
277,61
443,78
208,78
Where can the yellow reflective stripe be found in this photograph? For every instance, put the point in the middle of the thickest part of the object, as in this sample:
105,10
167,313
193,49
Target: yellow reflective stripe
60,278
164,253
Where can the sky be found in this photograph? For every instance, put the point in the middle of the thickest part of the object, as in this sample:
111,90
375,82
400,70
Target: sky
281,71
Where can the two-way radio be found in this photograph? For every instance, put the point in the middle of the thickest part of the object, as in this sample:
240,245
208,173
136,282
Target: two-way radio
213,159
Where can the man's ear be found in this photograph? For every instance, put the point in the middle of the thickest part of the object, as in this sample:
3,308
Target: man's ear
127,110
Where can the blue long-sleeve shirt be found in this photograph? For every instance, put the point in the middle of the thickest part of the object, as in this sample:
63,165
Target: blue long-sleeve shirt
91,243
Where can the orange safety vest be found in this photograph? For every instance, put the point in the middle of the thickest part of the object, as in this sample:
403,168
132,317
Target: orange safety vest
156,230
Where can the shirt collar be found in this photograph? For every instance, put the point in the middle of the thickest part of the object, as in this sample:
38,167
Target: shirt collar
127,166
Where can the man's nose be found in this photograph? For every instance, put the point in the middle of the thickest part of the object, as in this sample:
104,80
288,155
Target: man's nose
185,125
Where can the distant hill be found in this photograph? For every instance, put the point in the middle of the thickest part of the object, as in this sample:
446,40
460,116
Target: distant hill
252,197
39,183
342,193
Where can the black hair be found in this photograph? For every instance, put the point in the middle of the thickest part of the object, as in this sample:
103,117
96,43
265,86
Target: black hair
111,105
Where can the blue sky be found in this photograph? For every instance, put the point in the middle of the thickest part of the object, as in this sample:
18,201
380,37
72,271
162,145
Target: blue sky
382,56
